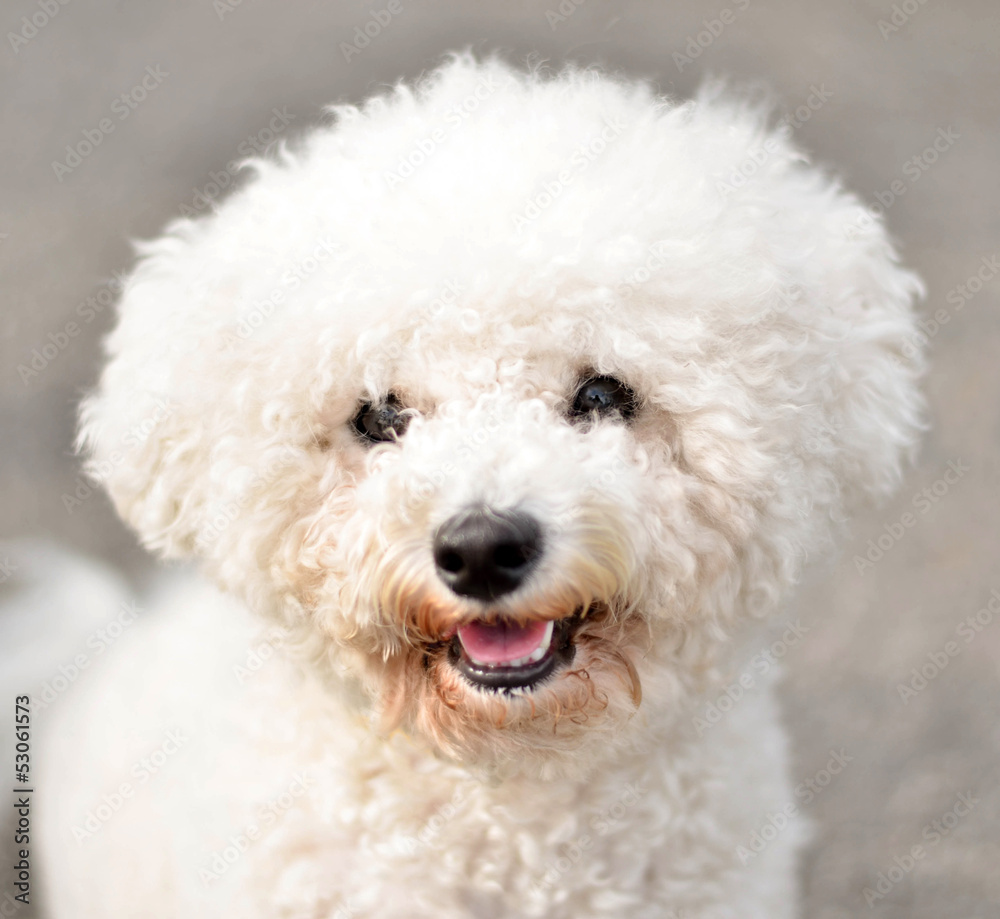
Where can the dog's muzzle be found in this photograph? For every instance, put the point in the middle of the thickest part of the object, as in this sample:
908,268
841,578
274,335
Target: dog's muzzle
483,553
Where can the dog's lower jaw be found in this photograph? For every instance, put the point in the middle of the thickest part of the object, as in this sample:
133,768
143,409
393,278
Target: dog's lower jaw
573,714
280,800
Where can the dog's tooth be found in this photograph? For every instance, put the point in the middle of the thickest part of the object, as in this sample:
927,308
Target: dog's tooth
543,646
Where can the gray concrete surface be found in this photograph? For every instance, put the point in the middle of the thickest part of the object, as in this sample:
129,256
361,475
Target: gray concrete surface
894,87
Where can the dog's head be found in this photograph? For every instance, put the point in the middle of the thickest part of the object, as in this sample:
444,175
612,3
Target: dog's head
513,396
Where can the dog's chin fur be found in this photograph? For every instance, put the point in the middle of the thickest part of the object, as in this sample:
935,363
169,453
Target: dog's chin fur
555,726
475,247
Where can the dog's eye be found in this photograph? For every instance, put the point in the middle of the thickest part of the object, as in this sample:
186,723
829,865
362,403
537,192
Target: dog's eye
603,396
378,422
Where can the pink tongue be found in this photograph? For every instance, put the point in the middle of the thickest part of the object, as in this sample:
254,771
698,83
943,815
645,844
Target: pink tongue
501,642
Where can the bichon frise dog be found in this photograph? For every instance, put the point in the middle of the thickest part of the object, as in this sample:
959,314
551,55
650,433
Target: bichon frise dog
509,406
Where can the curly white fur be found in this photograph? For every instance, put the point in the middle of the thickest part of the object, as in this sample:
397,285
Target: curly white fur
476,245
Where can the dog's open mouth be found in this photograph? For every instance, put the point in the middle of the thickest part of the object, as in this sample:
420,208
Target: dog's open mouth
503,654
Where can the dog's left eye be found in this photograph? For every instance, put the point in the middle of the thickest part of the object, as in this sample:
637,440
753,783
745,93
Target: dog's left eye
379,422
603,395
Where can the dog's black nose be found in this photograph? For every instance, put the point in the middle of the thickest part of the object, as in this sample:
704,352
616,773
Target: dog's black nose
485,553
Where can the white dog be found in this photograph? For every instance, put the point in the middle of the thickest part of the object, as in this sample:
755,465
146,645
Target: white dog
509,406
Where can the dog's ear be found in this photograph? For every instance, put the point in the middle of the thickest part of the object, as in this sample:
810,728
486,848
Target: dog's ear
144,430
875,410
840,319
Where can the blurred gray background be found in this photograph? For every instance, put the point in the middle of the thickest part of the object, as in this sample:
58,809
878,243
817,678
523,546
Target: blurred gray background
893,78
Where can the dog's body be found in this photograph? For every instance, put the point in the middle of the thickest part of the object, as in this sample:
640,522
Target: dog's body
514,405
272,798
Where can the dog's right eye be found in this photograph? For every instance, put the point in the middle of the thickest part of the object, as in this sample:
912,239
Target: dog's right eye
601,396
380,422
